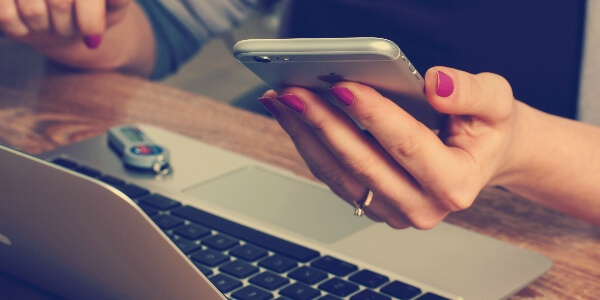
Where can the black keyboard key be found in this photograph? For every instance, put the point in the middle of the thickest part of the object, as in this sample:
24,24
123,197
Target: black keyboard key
278,263
431,296
369,295
166,222
250,235
114,181
338,287
299,291
308,275
239,269
186,246
401,290
210,257
66,163
192,231
269,281
334,266
369,279
248,252
133,191
206,271
251,293
159,201
220,242
224,283
88,171
150,211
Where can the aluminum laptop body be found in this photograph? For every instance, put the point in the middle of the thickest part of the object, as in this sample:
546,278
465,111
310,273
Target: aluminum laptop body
81,238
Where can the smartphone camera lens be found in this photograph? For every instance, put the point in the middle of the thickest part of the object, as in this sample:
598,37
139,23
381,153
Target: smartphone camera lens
262,59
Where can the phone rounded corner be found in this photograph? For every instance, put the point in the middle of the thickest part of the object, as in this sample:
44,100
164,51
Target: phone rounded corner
240,48
386,47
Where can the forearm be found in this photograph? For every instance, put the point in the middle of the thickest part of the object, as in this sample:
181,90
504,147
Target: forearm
127,46
556,163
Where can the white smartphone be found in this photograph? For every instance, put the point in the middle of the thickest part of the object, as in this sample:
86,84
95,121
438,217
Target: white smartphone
317,63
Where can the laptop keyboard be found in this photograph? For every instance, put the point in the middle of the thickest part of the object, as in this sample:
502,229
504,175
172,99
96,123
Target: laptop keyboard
247,264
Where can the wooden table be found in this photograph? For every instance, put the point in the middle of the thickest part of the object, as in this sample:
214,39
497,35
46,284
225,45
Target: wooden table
43,106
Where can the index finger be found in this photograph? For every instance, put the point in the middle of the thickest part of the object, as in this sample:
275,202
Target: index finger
91,16
413,145
359,156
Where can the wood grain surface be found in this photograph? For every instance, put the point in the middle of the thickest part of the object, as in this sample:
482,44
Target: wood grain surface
43,106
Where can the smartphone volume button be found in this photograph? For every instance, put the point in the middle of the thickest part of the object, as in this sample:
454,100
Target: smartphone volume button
412,68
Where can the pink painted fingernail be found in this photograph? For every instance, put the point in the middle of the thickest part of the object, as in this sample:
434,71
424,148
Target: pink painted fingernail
445,86
291,101
268,105
93,41
343,95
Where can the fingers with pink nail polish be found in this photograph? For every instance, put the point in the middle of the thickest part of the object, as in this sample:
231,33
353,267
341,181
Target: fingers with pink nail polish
343,95
292,102
91,20
445,86
269,106
92,41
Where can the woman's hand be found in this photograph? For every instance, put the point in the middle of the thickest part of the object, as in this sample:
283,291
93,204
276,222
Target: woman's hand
50,22
85,34
417,177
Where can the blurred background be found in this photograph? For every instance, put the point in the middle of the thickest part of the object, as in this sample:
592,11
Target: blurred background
213,72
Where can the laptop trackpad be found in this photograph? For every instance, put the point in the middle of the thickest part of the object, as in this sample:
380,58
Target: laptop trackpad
285,202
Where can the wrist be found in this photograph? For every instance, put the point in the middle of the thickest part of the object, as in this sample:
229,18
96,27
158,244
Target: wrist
520,157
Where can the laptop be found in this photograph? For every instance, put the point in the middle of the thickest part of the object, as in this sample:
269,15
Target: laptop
76,222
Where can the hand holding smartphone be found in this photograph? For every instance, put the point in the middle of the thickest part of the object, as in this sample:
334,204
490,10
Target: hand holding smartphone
318,63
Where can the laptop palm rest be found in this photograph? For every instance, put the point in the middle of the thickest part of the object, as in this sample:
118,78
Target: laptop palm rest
307,209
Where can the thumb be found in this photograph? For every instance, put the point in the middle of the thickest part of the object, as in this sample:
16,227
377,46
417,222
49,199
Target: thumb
486,96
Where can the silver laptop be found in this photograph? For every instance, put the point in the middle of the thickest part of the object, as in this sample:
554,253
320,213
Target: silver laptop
81,225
